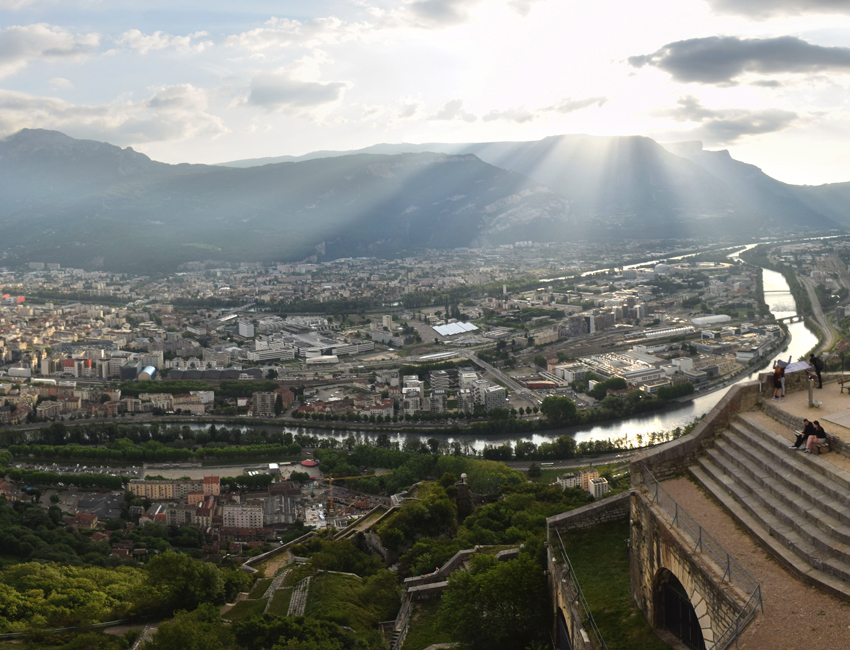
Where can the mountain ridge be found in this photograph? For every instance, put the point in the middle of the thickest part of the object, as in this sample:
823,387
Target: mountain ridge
93,201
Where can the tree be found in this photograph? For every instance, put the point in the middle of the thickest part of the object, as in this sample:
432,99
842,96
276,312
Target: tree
560,411
187,582
278,404
271,374
496,605
540,361
198,630
534,471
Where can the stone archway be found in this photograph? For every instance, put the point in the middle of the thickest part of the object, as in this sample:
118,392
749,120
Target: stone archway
563,633
676,612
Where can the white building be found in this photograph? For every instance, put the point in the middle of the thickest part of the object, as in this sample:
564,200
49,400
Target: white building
465,401
239,516
246,329
478,388
598,487
568,481
495,397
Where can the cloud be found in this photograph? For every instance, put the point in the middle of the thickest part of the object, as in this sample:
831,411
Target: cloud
282,33
766,83
408,110
60,82
725,126
721,59
518,115
570,105
522,7
767,8
440,13
453,110
145,43
13,5
170,113
280,90
521,115
21,44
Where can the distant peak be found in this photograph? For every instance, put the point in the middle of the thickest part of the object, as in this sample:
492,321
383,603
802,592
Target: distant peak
686,149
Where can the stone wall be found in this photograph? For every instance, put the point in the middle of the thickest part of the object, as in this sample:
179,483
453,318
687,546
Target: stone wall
283,548
796,424
599,512
674,457
565,608
654,546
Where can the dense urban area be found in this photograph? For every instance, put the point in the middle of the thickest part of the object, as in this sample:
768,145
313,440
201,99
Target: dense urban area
223,442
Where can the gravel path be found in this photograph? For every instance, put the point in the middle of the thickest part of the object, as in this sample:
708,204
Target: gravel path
796,616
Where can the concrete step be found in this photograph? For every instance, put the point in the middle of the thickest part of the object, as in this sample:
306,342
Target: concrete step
787,557
778,434
807,496
815,472
771,526
822,531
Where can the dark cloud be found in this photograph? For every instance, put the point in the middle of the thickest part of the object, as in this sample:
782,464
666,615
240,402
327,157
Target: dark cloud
721,59
724,126
440,13
767,83
280,91
766,8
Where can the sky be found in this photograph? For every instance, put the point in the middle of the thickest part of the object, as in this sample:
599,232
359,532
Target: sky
217,80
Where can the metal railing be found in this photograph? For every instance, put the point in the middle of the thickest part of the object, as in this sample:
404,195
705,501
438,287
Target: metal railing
588,622
733,572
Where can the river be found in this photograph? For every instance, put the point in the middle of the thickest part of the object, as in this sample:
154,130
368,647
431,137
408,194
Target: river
777,296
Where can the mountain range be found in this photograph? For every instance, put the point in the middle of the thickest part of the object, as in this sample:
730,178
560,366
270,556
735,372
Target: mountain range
95,205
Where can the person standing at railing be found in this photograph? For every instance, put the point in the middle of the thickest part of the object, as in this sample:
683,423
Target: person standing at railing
778,374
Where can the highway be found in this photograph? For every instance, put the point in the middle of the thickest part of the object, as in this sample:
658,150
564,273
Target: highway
517,388
821,319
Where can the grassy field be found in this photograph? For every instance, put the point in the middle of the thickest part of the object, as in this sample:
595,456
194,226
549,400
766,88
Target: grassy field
280,602
600,558
336,597
245,609
424,629
260,588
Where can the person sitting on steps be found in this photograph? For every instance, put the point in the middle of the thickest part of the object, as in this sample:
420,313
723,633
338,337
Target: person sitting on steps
818,439
803,436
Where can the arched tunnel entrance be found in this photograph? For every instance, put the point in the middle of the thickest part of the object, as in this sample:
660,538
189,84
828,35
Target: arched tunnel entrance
563,633
675,611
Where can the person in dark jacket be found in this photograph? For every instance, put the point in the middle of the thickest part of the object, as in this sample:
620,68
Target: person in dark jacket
817,364
802,436
819,438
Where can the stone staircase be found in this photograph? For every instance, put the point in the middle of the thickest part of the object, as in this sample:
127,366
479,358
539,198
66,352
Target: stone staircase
796,504
298,603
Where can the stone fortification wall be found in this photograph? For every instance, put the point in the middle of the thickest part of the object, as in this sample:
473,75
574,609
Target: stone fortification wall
674,457
600,512
655,546
569,618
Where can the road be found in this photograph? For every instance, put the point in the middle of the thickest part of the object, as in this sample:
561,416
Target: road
604,459
517,388
828,334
